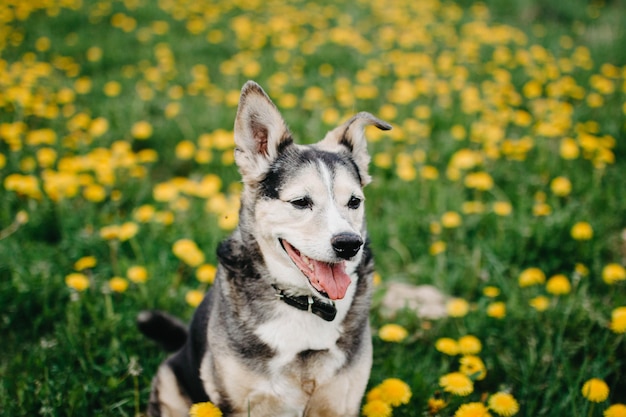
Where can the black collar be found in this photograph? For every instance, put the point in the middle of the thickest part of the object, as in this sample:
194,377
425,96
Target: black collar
308,303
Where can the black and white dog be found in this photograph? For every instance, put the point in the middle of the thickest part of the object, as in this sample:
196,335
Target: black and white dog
284,330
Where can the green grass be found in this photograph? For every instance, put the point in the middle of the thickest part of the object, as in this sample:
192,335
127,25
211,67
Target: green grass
516,77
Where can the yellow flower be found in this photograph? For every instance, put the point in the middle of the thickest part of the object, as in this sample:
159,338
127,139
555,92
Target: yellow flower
540,303
473,366
94,193
531,276
447,345
569,149
85,262
437,247
561,186
118,284
137,274
451,219
504,404
435,405
615,410
479,181
558,285
77,281
112,89
491,291
206,273
392,333
187,251
469,345
502,208
457,307
185,150
376,408
194,297
456,383
127,231
394,392
141,130
613,273
496,310
595,390
110,232
582,231
618,320
472,410
206,409
144,213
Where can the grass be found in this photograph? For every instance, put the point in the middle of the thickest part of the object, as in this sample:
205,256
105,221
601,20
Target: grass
510,115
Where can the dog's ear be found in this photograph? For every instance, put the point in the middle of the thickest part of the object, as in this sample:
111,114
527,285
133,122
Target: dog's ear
351,136
260,132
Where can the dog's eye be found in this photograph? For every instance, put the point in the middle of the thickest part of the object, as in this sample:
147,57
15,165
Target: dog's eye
302,203
354,203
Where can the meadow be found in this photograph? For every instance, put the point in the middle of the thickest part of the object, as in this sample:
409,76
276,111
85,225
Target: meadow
502,184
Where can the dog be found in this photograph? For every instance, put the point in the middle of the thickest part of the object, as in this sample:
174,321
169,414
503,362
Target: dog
284,330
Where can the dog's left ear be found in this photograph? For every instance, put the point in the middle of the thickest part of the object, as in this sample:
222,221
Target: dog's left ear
351,136
260,132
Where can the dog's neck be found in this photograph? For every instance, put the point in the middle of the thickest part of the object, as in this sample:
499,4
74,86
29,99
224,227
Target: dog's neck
326,311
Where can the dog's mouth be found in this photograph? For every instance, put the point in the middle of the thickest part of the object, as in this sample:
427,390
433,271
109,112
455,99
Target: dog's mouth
329,279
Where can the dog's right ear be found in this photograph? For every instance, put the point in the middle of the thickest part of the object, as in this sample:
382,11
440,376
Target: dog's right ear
260,133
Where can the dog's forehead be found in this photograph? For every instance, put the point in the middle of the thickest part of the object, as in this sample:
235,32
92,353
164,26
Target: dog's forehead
306,165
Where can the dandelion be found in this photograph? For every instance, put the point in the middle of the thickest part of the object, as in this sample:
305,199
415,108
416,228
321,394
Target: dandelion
479,180
118,284
558,285
473,366
457,383
127,231
472,410
540,303
496,310
447,346
491,291
457,307
451,220
206,273
206,409
615,410
618,320
437,247
141,130
613,273
85,262
77,281
502,208
582,231
435,405
187,251
531,276
185,150
376,408
503,404
561,186
392,333
395,392
137,274
469,345
595,390
194,297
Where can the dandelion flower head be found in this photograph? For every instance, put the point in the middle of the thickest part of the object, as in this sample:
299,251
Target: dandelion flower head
376,408
395,392
447,345
503,404
472,410
457,383
469,345
595,390
457,307
615,410
392,333
206,409
618,320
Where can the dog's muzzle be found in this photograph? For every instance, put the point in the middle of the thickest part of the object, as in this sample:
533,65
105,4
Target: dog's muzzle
346,245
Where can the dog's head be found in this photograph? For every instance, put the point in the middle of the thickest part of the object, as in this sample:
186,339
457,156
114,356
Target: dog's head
303,203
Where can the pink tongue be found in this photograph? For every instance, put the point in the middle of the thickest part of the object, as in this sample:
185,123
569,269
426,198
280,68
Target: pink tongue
332,279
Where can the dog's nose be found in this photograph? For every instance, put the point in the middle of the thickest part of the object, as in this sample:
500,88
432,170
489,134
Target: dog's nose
346,245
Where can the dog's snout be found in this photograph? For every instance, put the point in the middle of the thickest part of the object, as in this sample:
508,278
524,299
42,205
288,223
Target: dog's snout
346,245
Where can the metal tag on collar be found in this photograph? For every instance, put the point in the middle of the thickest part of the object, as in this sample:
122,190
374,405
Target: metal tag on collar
310,307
